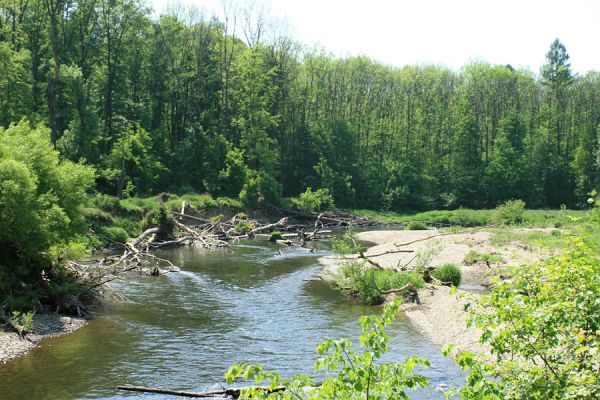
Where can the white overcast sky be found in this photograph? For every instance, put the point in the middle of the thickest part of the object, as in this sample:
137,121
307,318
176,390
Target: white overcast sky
445,32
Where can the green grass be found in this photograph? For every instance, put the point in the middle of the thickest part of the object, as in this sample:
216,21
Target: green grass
472,218
472,257
138,205
554,239
388,279
416,226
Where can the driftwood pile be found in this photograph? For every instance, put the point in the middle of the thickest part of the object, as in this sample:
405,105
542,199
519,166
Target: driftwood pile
192,229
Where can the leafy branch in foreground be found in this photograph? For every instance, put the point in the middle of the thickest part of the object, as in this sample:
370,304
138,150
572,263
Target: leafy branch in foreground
359,375
543,327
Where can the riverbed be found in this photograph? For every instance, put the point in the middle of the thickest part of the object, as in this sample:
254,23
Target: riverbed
253,302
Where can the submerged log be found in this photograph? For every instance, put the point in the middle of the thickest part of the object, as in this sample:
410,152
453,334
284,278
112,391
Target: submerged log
234,392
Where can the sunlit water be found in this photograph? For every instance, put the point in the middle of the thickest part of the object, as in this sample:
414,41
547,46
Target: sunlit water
182,330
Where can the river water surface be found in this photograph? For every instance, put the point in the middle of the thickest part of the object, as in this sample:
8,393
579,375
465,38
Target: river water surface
182,330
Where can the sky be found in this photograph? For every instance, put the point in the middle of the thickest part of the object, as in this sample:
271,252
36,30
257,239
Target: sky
444,32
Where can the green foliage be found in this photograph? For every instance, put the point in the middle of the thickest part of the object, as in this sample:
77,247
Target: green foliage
40,207
115,234
243,226
314,201
275,236
260,190
131,166
369,283
448,273
542,325
199,201
416,226
511,212
165,223
346,244
24,319
137,205
350,374
473,257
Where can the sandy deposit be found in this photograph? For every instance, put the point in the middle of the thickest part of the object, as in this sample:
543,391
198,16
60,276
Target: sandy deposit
44,325
441,316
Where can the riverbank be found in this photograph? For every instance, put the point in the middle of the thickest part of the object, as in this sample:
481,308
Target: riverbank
441,316
44,326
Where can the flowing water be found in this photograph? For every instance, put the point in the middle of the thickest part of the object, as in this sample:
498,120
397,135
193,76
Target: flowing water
182,330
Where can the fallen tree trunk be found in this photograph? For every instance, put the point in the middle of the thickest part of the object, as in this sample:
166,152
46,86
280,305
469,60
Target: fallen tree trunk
21,330
234,392
140,238
279,224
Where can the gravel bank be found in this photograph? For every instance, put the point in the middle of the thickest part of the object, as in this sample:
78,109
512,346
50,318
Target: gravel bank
44,325
440,316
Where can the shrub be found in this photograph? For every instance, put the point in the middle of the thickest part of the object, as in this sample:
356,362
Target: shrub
368,283
41,199
115,234
261,189
275,236
448,273
164,222
243,226
542,326
131,226
314,201
511,212
416,226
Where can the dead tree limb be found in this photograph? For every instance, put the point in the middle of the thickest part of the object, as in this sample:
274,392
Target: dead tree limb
234,392
279,224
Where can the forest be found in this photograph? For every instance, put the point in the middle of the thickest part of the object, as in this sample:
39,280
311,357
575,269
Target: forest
186,103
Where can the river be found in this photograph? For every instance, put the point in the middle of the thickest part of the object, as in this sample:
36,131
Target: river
182,330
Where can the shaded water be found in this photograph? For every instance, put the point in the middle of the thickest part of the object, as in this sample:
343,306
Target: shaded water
182,330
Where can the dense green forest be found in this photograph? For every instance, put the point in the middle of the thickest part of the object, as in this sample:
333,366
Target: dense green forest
186,103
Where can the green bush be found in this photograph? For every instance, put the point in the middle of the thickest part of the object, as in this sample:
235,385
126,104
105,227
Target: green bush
388,279
511,212
165,223
416,226
115,234
243,226
369,283
131,226
275,236
261,189
448,273
314,201
41,202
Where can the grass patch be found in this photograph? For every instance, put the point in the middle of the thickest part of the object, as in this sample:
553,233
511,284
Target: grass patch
416,226
473,257
553,239
471,218
138,205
